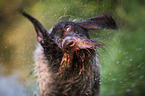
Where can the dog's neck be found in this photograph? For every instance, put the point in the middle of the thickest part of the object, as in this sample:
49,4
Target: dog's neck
75,65
64,76
78,72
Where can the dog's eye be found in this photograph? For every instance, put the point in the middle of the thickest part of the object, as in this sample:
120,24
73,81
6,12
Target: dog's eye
68,28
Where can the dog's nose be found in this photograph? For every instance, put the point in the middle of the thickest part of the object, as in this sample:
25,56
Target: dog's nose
70,43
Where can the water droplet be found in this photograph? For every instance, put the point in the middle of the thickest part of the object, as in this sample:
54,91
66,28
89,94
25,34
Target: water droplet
117,62
139,66
138,49
126,57
133,85
141,77
120,51
131,59
125,53
128,90
114,79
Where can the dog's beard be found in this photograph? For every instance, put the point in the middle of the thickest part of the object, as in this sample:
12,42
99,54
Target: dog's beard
75,65
77,61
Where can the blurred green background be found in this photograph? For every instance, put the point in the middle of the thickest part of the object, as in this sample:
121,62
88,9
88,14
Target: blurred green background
122,60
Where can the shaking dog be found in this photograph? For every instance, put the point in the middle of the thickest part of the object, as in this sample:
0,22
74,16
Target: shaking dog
66,60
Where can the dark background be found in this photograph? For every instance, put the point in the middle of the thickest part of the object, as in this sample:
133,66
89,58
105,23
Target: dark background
122,59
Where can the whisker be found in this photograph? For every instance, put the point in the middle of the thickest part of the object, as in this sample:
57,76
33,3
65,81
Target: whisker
95,39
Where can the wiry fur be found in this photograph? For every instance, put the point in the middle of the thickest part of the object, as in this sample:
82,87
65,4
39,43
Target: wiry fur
42,69
65,59
71,80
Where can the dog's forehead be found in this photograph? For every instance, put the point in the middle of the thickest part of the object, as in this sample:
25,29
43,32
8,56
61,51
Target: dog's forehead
59,27
63,24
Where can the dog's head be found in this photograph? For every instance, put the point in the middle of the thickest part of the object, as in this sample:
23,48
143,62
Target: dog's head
72,36
68,37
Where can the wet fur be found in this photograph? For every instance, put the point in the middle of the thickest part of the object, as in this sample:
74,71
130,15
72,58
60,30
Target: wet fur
65,59
64,79
79,79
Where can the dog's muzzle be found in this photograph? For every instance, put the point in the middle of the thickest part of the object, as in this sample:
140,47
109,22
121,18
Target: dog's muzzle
71,44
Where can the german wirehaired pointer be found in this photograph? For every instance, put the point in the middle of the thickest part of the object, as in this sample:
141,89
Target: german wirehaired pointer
65,58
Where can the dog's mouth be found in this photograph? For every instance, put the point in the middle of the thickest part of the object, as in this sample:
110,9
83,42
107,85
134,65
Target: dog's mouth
72,44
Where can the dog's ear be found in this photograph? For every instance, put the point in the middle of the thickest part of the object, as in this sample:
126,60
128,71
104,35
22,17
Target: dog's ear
40,29
100,21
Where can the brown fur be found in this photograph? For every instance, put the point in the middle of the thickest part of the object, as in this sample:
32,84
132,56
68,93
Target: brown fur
72,79
65,59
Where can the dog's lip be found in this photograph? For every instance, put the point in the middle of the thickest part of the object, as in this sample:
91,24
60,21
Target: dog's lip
80,43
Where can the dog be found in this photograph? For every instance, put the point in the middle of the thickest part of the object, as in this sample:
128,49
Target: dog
66,59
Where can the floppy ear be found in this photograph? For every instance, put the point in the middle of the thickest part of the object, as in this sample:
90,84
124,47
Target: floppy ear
41,31
101,21
50,47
